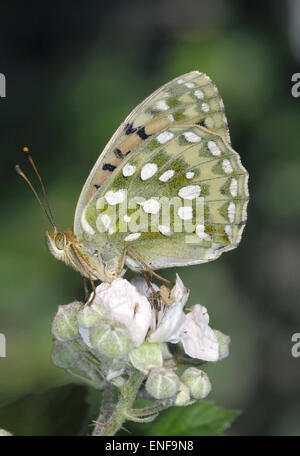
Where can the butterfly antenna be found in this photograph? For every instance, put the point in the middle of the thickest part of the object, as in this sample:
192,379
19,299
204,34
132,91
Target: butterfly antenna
20,172
30,159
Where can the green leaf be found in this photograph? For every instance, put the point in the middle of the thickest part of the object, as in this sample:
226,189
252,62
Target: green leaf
59,411
202,418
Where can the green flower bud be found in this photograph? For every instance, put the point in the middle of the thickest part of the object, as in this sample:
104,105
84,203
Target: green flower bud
113,370
90,315
64,326
162,383
147,356
4,433
111,339
224,342
183,396
197,382
66,354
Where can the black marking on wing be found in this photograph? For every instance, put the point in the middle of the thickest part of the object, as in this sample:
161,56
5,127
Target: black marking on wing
142,134
118,153
202,123
127,153
97,186
129,129
108,167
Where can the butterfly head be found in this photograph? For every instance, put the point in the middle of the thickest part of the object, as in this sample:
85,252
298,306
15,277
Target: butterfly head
64,246
58,243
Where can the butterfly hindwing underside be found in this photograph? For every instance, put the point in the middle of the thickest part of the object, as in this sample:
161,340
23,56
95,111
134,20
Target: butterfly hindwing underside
192,98
174,147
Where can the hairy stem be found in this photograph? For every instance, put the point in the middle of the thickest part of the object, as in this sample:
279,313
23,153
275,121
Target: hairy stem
110,421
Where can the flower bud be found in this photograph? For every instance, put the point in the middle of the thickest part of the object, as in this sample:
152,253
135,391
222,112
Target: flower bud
183,396
113,369
197,382
111,339
64,326
147,356
89,315
66,354
224,342
162,383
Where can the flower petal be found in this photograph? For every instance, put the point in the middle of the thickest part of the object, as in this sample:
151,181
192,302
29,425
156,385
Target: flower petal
199,340
172,322
126,305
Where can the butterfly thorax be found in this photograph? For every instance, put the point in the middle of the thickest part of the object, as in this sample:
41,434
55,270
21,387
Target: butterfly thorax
91,263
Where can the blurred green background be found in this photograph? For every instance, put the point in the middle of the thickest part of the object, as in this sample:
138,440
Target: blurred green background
74,71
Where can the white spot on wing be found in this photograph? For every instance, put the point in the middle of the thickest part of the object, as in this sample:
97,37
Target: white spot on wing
114,198
171,117
205,107
231,211
151,206
201,233
185,213
190,85
164,137
228,231
85,225
233,187
180,81
148,171
226,166
214,149
165,230
128,170
162,105
190,192
127,218
132,237
191,137
106,220
189,175
167,175
199,94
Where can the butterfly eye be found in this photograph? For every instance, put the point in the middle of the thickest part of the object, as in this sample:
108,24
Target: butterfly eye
60,241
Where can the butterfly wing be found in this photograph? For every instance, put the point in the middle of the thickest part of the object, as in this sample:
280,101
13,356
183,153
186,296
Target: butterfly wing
196,171
188,99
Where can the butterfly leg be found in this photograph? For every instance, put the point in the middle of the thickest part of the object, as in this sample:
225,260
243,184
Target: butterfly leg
86,290
139,259
87,272
148,282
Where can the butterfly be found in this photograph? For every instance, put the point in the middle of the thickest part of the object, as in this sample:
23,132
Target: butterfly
167,190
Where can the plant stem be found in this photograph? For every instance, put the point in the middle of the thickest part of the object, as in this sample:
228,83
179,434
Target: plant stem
114,421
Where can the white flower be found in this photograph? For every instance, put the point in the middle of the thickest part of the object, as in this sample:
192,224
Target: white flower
171,319
163,322
171,324
125,305
199,340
